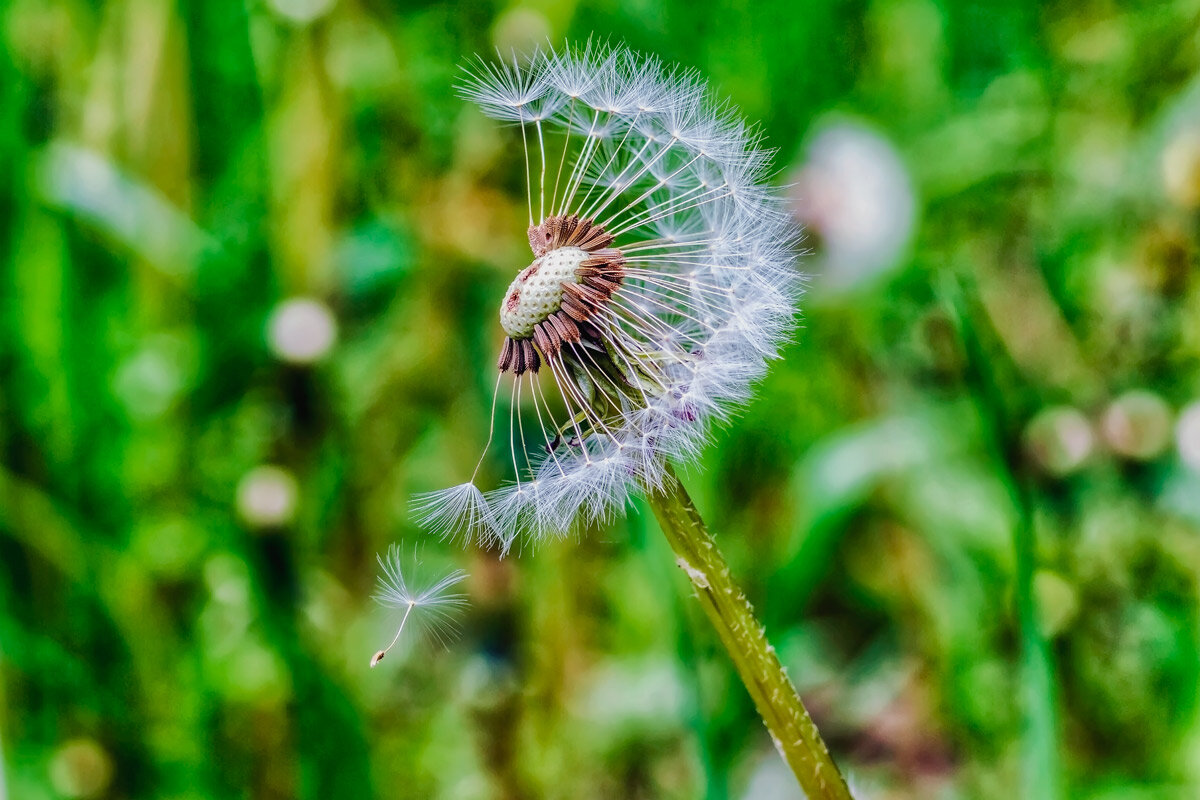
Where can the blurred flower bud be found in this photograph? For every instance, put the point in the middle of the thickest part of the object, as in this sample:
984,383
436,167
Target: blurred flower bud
854,192
1187,435
81,768
301,330
1137,425
1060,440
301,11
1181,168
266,497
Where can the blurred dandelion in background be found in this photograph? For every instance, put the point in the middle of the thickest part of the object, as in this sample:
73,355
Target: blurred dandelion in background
427,599
1187,435
1060,439
854,193
81,768
301,330
1137,425
266,497
661,283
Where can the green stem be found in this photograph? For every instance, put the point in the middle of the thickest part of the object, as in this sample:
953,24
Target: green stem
795,735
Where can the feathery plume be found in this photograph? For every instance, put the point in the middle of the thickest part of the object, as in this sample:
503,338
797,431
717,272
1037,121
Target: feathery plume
662,281
427,599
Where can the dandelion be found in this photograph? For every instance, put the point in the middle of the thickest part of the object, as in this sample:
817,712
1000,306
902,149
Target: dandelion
267,496
301,330
427,599
1137,425
1187,435
661,282
1060,439
854,191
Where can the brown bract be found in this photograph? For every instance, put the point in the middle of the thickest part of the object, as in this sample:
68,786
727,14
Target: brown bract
599,277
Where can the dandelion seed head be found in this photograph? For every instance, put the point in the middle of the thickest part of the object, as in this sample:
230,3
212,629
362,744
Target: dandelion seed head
662,280
537,291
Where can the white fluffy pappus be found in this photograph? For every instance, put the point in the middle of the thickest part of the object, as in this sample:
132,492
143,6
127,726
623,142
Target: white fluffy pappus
662,282
427,599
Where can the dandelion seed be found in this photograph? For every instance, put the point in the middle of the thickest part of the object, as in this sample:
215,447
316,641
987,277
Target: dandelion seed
661,282
428,599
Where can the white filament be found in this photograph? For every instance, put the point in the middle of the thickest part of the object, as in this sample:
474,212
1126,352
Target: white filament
708,296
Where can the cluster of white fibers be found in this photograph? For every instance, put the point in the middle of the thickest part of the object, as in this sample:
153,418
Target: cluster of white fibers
663,281
428,600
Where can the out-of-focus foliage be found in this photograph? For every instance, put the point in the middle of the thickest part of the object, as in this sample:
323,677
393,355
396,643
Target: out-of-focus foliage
250,256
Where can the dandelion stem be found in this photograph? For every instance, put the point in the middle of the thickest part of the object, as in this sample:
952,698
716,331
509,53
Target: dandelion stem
795,735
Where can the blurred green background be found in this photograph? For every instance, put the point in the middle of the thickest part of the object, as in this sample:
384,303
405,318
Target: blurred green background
250,256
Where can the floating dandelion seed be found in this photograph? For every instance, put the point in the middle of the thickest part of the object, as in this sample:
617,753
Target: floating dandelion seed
662,281
427,598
